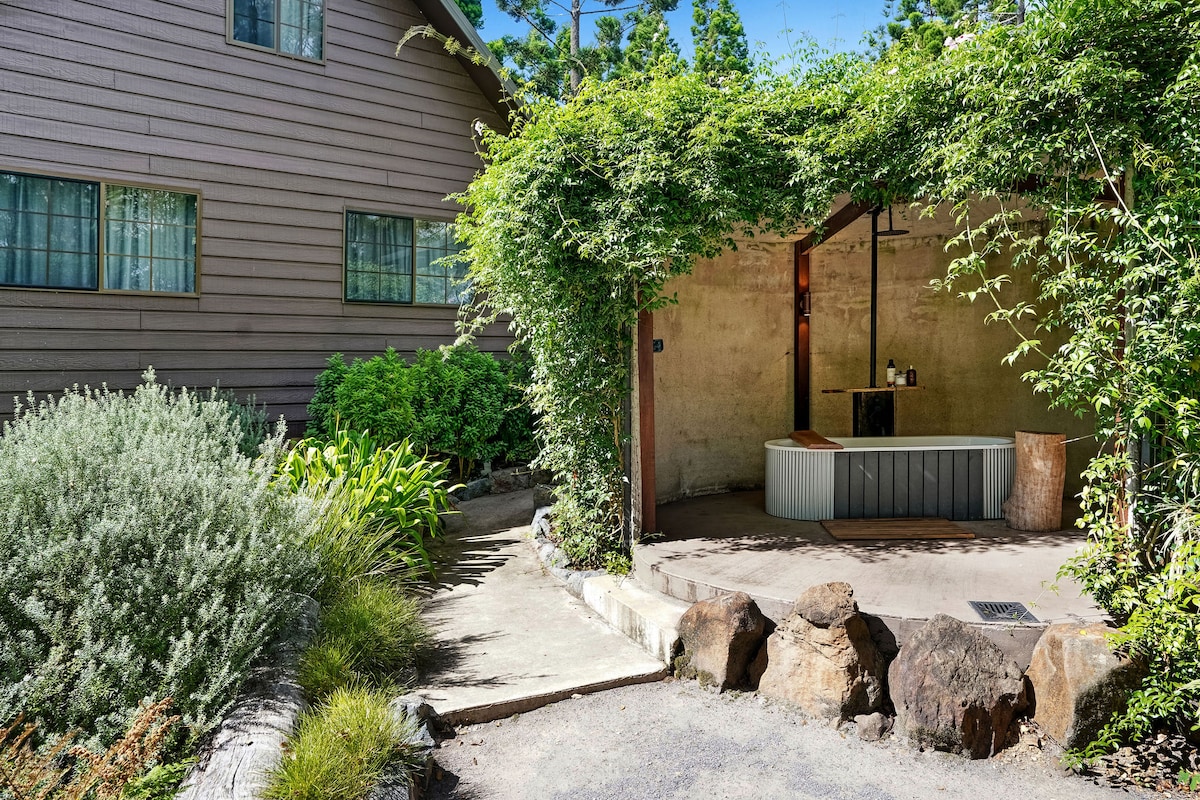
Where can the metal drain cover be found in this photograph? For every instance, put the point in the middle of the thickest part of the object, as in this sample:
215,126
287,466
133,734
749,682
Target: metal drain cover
1002,611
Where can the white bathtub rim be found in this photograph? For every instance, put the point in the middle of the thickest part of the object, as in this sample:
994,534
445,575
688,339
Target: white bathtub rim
868,443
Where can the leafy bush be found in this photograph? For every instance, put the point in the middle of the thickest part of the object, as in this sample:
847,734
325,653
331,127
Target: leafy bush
322,411
251,421
376,396
341,750
458,401
379,503
370,636
517,439
141,555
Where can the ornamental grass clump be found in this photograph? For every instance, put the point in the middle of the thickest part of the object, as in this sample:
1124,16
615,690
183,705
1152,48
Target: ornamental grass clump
341,750
370,636
141,555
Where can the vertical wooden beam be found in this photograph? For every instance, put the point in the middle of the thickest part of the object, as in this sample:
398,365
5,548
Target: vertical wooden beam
645,367
801,347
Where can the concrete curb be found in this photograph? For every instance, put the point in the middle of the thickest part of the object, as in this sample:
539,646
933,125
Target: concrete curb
648,618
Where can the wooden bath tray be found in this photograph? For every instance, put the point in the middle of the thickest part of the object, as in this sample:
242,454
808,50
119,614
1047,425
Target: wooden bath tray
853,530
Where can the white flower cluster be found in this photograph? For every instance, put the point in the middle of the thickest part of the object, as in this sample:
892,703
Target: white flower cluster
141,555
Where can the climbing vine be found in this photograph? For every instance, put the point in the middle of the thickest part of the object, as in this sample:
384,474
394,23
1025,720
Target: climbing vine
1082,118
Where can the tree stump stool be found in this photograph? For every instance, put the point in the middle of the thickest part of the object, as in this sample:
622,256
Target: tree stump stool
1036,500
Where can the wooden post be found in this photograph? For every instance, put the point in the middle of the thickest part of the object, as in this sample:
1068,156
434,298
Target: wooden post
1036,500
802,379
645,366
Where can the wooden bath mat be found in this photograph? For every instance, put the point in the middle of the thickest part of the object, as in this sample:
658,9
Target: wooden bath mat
850,530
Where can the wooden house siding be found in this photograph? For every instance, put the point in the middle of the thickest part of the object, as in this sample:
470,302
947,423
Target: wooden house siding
151,92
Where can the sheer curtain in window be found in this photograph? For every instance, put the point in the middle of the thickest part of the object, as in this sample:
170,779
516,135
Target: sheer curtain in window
149,240
48,232
302,27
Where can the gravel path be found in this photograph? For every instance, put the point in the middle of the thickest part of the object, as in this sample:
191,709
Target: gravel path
671,740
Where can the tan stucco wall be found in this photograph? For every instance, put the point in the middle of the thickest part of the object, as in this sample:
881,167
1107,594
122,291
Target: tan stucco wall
723,383
724,380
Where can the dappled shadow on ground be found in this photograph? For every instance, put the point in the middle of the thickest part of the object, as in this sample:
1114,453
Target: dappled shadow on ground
735,523
447,663
465,557
448,786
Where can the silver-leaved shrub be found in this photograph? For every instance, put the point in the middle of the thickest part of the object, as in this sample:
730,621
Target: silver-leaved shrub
141,556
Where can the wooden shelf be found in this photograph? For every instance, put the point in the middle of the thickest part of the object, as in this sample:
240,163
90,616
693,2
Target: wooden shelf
872,389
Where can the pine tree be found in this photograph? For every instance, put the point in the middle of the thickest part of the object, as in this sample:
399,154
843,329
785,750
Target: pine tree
473,10
720,39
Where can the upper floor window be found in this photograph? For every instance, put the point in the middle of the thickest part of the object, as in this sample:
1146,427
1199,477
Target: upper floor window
393,260
292,27
59,233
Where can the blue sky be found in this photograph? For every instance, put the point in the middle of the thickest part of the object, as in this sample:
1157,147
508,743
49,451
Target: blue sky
771,25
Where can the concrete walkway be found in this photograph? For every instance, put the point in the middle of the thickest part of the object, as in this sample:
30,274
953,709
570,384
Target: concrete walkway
509,638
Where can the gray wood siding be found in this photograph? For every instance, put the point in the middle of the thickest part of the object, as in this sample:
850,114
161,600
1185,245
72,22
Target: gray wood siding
150,92
908,483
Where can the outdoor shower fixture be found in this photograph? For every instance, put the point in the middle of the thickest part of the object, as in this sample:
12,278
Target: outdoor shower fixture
875,234
874,409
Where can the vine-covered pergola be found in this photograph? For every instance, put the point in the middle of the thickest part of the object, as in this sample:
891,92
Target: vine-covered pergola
587,208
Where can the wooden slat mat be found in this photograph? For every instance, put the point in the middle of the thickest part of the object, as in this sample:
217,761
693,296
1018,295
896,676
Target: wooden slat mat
849,530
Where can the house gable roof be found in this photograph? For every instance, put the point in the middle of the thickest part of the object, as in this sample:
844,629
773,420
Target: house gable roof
448,19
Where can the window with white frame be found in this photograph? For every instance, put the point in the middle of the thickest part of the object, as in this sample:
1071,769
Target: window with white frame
291,27
62,233
402,260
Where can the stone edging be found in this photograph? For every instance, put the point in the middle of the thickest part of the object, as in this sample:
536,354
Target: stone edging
555,561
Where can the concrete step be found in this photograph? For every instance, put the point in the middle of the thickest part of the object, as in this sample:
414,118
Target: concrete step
647,617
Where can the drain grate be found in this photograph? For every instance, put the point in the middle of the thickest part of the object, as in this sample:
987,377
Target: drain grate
1002,611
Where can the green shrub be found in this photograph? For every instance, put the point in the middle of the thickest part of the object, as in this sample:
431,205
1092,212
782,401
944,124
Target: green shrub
141,555
341,750
250,419
517,438
380,504
376,396
322,411
458,402
370,636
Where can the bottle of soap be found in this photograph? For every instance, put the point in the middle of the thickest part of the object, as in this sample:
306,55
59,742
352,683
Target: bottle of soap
891,373
910,377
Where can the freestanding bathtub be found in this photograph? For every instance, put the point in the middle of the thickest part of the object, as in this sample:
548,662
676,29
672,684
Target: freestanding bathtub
955,477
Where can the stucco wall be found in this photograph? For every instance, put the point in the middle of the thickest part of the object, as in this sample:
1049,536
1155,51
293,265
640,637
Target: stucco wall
723,382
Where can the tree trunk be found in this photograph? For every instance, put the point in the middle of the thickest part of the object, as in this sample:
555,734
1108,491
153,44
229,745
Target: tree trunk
1036,500
576,73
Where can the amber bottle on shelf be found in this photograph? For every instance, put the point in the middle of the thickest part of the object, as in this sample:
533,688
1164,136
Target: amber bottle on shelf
910,377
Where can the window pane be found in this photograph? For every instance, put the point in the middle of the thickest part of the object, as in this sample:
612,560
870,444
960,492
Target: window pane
73,270
127,273
128,202
431,234
149,240
378,258
301,28
395,288
362,286
173,275
431,290
254,22
127,238
31,231
172,241
47,232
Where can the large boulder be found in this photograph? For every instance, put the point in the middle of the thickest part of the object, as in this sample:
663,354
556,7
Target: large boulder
822,657
1078,682
955,690
720,638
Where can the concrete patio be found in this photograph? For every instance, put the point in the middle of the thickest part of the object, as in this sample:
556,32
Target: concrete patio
727,542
